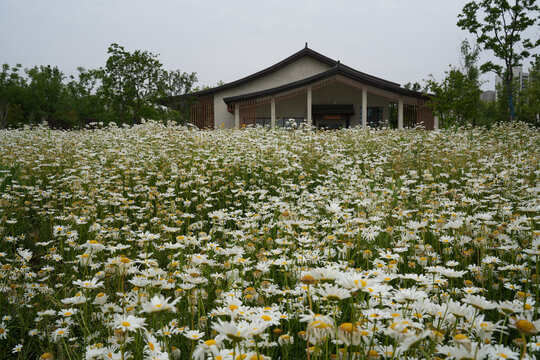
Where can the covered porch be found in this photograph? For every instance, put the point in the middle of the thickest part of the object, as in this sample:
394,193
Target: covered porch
336,101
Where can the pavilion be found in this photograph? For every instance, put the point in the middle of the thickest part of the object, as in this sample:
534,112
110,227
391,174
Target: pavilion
309,87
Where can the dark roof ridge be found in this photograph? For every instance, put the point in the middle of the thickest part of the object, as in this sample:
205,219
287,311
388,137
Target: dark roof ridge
306,51
336,70
297,55
370,76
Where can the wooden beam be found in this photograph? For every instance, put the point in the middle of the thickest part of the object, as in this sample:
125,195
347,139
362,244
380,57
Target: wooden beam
309,106
364,108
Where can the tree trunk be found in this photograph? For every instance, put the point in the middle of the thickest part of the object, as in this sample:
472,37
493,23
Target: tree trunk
510,99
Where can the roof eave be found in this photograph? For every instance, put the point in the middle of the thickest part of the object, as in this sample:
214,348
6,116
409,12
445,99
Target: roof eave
337,70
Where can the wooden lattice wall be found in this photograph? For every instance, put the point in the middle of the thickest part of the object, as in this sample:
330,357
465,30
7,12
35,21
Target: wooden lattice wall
248,112
424,115
202,112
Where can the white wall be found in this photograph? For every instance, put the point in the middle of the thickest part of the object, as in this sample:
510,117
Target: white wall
298,70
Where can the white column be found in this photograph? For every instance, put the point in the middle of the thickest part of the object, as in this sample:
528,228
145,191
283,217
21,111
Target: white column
364,109
273,112
237,115
309,104
386,113
400,115
435,122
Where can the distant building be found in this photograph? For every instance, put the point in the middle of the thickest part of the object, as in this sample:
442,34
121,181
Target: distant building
519,76
489,95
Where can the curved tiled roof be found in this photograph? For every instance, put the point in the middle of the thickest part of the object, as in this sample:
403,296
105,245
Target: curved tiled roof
337,67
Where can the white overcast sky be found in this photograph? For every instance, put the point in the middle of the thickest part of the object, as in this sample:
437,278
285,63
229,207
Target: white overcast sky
398,40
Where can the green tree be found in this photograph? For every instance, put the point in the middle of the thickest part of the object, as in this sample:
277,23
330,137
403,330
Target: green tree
11,89
173,84
499,26
131,84
208,87
126,90
502,111
457,97
44,94
82,98
489,113
469,67
414,87
528,102
450,101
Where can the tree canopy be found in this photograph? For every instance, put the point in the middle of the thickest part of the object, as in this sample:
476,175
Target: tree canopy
500,27
528,104
457,96
129,88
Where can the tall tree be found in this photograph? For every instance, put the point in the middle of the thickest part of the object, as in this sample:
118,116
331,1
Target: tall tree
11,87
45,92
499,26
469,67
457,96
528,105
131,83
82,100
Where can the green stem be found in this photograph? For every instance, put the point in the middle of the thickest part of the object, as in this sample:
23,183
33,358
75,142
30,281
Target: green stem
524,349
336,331
67,349
309,299
503,326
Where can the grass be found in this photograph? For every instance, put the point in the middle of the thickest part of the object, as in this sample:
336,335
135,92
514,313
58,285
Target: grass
157,242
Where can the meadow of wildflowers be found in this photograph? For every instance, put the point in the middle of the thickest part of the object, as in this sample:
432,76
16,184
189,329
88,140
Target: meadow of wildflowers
160,242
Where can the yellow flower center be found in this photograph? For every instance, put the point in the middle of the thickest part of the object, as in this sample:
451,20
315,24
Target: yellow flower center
346,327
318,324
308,279
526,327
